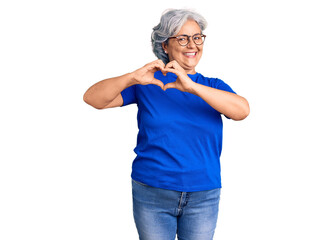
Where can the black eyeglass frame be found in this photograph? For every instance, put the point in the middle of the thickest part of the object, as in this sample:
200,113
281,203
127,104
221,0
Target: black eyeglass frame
188,39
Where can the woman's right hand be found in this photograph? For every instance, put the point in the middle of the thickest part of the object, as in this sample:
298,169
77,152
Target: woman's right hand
107,93
145,75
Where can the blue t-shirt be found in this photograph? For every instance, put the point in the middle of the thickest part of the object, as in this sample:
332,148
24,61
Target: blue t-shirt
179,142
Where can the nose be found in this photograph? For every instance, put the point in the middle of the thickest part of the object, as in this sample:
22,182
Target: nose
191,43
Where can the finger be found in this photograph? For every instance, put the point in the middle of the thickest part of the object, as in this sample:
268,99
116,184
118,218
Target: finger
155,63
172,70
168,69
159,63
170,65
164,71
161,68
173,64
154,66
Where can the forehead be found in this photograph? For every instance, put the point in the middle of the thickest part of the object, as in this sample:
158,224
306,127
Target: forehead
189,28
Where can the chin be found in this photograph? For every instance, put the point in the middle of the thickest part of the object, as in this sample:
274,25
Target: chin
189,65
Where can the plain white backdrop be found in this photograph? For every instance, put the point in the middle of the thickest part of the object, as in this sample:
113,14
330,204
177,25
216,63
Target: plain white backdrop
65,167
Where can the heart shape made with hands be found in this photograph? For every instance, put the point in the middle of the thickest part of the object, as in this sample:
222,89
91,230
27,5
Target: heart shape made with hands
182,83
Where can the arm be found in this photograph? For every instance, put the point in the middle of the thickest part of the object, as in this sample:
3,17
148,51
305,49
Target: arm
107,93
228,104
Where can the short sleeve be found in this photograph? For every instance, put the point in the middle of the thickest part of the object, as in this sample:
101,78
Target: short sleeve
129,95
219,84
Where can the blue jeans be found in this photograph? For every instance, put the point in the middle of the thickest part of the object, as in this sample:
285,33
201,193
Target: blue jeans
160,214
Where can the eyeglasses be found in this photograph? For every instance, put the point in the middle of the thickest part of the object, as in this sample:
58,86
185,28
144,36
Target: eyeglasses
184,39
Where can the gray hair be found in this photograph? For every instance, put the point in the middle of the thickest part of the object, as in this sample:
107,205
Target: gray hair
170,24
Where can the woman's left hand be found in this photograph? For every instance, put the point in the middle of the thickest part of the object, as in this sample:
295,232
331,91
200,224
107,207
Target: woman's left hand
183,82
229,104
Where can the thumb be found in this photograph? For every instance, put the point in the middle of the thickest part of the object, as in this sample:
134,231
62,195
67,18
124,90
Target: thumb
158,83
169,85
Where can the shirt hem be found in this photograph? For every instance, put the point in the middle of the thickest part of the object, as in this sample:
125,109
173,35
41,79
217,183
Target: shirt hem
178,188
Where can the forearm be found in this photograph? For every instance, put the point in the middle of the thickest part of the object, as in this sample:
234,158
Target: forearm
228,104
104,92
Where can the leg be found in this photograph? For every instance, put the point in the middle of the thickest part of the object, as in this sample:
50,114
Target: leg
153,210
199,217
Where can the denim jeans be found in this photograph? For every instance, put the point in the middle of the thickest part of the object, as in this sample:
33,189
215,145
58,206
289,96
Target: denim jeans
160,214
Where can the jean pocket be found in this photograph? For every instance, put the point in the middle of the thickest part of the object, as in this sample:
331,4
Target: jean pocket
140,183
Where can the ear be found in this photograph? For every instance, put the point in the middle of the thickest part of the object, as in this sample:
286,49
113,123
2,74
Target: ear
164,46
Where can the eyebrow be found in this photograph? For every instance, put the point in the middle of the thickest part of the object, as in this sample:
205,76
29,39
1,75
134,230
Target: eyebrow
187,35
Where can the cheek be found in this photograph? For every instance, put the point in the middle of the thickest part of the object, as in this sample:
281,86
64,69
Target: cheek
176,54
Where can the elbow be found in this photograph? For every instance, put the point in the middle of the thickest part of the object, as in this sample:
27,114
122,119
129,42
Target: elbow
243,112
86,98
90,102
242,115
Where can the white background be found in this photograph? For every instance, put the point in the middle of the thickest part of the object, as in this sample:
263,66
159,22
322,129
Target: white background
65,166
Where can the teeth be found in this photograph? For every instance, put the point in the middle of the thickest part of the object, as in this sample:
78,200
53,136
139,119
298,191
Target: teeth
189,54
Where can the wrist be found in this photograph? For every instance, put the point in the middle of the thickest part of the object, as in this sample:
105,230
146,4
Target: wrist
194,88
131,79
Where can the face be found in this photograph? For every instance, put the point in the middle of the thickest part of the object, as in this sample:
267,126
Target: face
187,56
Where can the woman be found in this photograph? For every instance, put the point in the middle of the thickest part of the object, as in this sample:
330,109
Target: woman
176,174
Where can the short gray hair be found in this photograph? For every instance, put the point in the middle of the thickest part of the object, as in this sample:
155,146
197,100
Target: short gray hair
170,24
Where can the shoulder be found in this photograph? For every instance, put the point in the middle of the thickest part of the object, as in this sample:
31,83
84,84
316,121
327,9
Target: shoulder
214,83
209,81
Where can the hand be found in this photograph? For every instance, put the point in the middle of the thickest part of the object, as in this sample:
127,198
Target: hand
145,75
183,82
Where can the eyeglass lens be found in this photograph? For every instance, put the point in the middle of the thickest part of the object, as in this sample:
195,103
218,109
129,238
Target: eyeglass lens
198,39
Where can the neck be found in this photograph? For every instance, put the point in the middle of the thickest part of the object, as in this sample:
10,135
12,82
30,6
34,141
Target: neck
190,71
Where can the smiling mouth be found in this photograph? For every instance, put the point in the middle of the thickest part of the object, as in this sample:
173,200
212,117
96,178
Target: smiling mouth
190,54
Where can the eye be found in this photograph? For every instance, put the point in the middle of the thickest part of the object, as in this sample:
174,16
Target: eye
197,37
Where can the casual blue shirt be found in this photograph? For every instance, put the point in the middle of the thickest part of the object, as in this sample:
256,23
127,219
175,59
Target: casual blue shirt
179,142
